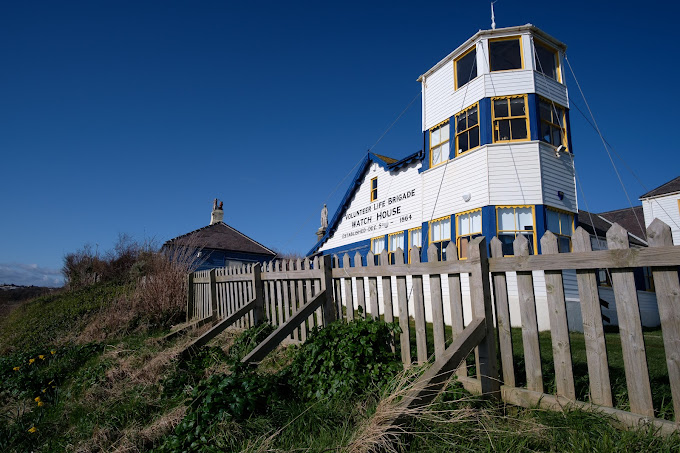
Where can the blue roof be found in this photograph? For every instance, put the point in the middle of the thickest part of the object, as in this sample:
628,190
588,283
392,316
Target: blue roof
385,162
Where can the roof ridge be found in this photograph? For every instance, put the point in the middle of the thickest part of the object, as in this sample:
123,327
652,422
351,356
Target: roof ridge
660,188
247,237
619,210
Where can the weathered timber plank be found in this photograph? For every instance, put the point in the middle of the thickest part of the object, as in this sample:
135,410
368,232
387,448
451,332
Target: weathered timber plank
284,330
279,294
419,309
317,289
396,270
559,331
405,336
387,292
455,302
612,259
500,293
191,303
372,288
630,328
304,329
668,298
361,294
437,305
328,306
527,308
291,275
234,278
309,294
593,331
349,296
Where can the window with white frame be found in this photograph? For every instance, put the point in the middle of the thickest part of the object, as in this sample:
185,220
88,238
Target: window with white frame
439,143
561,224
468,227
394,241
415,238
440,235
513,221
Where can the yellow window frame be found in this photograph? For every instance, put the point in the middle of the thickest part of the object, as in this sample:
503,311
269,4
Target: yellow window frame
561,232
476,104
375,239
459,236
525,116
555,52
507,38
562,128
455,65
390,253
374,189
410,245
441,144
429,233
533,214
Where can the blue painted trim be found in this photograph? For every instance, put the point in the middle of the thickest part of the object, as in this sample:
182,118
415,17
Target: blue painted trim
541,223
489,225
532,105
485,123
354,186
424,240
568,121
426,152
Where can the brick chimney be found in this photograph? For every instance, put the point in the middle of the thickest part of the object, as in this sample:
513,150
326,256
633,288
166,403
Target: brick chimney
217,214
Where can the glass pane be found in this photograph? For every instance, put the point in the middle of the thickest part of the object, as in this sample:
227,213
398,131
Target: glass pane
472,117
476,222
525,219
567,221
464,224
546,62
436,231
445,132
442,250
545,111
519,128
434,139
474,137
517,107
463,142
374,184
545,132
436,155
556,136
504,55
460,123
398,241
503,130
463,247
564,244
506,240
506,219
553,218
446,227
500,108
466,68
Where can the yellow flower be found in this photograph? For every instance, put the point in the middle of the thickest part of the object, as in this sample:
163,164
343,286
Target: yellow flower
31,361
33,429
41,357
40,403
45,390
16,368
37,399
53,352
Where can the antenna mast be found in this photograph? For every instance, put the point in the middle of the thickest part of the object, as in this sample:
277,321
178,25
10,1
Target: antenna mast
493,17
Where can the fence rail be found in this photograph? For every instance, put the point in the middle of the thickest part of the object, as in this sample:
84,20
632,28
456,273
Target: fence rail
434,301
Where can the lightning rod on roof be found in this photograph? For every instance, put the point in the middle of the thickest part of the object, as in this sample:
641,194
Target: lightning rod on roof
493,17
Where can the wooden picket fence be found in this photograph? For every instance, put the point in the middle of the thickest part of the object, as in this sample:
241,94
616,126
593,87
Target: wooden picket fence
298,296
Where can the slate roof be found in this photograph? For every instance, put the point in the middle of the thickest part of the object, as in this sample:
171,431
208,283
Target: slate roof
632,219
671,186
599,224
220,236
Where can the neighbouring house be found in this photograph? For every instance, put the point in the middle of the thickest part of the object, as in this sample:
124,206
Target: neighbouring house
220,245
664,203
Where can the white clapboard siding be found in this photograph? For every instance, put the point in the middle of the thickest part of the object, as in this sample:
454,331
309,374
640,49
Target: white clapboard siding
390,184
507,83
557,174
442,101
666,209
444,185
514,174
551,89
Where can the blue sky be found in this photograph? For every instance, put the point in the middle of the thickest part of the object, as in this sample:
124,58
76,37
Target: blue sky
130,117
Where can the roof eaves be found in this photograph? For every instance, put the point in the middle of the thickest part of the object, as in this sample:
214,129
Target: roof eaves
660,191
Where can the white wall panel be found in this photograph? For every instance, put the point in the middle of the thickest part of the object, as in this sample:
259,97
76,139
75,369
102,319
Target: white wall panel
514,174
551,89
557,175
667,210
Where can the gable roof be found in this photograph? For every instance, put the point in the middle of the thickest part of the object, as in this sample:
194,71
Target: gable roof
220,236
671,186
387,163
632,219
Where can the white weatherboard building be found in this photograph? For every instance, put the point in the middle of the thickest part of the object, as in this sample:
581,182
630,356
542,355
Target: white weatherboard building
664,203
496,161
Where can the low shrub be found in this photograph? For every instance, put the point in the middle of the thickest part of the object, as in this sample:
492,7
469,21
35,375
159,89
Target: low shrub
345,359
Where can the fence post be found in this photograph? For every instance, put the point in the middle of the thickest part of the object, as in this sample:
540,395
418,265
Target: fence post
668,298
329,314
258,293
191,303
480,293
213,296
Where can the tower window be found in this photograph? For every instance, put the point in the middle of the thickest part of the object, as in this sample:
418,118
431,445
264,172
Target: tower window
374,189
513,221
439,143
440,235
553,122
505,54
467,129
377,246
415,238
468,227
465,67
394,241
546,61
561,224
510,119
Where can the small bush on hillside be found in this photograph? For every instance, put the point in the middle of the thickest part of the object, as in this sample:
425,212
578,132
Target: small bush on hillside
345,359
247,341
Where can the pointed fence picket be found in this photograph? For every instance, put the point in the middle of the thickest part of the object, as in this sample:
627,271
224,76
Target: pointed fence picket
377,288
